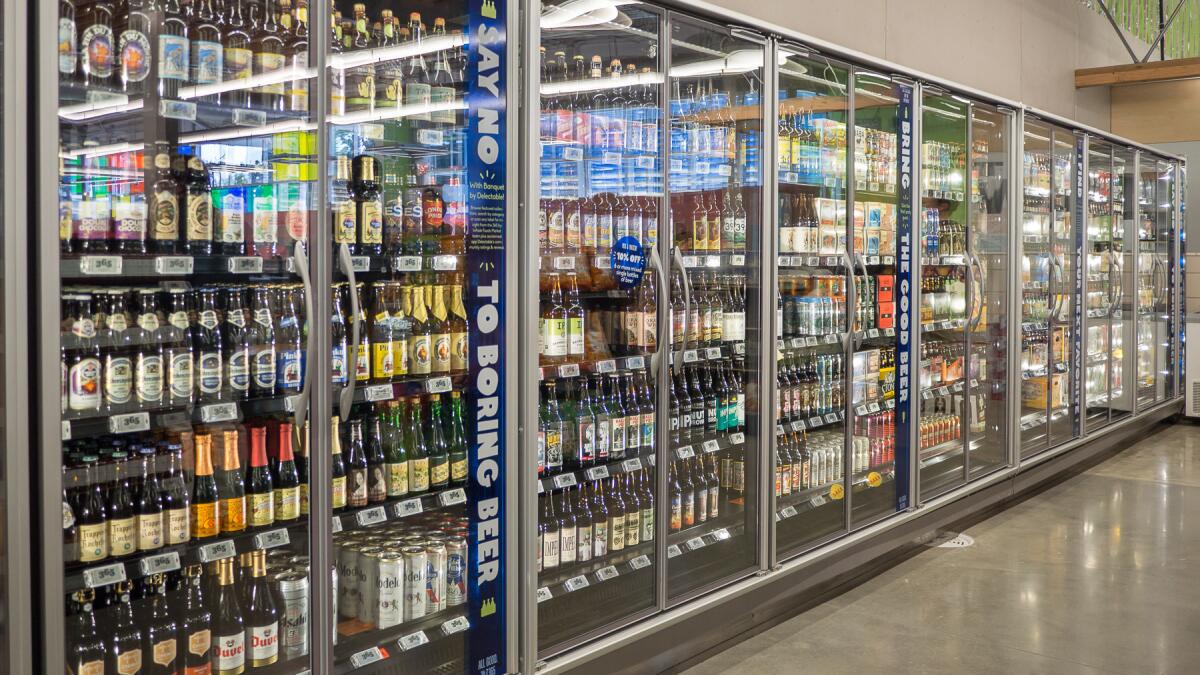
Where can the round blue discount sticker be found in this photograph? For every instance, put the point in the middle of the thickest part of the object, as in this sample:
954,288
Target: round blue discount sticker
628,262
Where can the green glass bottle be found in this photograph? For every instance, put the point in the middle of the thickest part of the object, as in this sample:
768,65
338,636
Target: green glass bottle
439,450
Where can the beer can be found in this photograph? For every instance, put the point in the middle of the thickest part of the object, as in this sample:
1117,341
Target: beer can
414,582
348,571
292,588
391,589
368,584
435,576
456,572
333,574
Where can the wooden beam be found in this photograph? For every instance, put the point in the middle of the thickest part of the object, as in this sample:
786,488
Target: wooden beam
1135,73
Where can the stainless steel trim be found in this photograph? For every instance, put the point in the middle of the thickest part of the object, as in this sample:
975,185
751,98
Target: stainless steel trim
666,237
346,396
1080,374
972,322
1016,247
514,371
768,284
848,343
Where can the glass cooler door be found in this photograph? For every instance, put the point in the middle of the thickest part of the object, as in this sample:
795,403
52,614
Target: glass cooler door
809,482
186,181
715,178
1153,287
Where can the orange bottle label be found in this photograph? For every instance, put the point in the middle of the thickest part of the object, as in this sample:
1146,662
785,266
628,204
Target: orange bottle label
204,520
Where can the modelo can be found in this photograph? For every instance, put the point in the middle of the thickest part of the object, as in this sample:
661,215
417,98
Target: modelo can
292,588
368,584
391,589
456,572
435,576
348,571
333,574
414,582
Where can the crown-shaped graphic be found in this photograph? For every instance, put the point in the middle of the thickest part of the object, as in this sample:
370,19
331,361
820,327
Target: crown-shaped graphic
488,607
489,9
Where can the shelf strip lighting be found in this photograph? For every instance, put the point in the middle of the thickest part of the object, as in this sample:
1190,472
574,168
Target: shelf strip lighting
428,45
98,150
118,103
245,132
281,76
394,113
600,83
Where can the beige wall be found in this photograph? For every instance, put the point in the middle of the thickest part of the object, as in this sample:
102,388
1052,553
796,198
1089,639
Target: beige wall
1024,50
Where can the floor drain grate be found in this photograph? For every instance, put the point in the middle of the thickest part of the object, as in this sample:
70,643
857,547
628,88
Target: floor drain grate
951,540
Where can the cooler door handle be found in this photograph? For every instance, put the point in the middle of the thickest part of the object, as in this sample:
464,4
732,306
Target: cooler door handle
346,397
300,257
661,277
974,265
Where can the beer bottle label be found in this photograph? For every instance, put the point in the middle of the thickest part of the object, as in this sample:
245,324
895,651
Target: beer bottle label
400,356
177,526
458,351
603,440
550,549
84,384
441,353
541,451
567,546
418,475
420,360
337,363
174,57
91,668
66,46
554,457
648,524
135,56
239,64
198,645
344,225
265,231
362,366
264,367
676,512
93,542
339,492
633,433
122,536
618,437
289,366
304,499
149,529
587,438
382,363
130,662
458,470
149,378
180,375
714,494
233,219
648,430
210,62
616,533
269,62
287,503
604,230
555,230
356,487
204,520
397,479
372,222
600,538
583,543
264,644
164,652
556,337
575,335
230,652
199,217
418,94
129,221
98,50
633,527
589,229
701,507
118,380
238,370
166,216
376,484
262,509
439,473
233,514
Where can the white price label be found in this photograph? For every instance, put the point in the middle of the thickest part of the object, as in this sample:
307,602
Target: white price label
685,452
700,167
711,445
408,507
639,562
564,480
890,403
831,338
860,185
798,425
611,158
371,516
100,264
218,412
245,265
724,170
633,464
888,260
602,262
796,343
413,640
691,261
737,438
379,392
360,263
694,543
737,260
814,422
271,539
874,187
712,352
366,657
974,383
606,573
573,153
926,395
407,263
218,550
606,366
564,262
872,260
712,261
575,583
66,430
456,625
942,391
445,263
429,136
860,410
544,594
290,402
635,362
651,460
813,261
597,472
673,550
335,524
873,407
124,424
174,264
791,177
739,348
691,356
158,564
818,501
721,534
246,117
644,162
958,386
568,370
810,341
452,497
104,575
177,110
438,385
788,511
873,333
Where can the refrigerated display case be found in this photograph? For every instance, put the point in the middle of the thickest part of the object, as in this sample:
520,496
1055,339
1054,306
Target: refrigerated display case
276,297
1156,264
1051,244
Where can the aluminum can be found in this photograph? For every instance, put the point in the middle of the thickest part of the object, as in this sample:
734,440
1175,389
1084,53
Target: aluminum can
333,574
435,576
415,561
292,587
348,571
391,589
368,584
456,572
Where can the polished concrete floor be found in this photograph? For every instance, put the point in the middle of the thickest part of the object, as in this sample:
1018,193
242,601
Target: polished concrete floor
1098,574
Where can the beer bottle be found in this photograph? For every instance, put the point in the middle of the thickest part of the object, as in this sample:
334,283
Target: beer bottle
567,530
555,429
356,467
554,323
675,489
551,535
269,58
401,327
368,206
262,615
175,500
178,351
700,487
458,327
206,520
162,632
616,516
209,348
439,451
584,452
148,367
231,487
164,204
338,467
420,345
416,76
633,511
458,442
195,624
360,83
575,319
125,648
286,479
583,523
342,207
646,497
97,47
198,214
688,493
296,52
418,454
395,454
260,502
633,417
229,629
262,344
440,330
338,369
620,417
362,365
70,504
122,521
118,358
432,214
373,445
238,55
302,467
389,74
92,515
382,340
289,355
236,340
208,52
413,219
598,512
149,505
442,92
87,651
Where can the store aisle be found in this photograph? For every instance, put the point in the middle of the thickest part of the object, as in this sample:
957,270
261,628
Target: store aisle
1098,574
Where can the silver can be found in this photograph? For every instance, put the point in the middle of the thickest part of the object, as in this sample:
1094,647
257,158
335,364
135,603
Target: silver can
391,589
414,582
456,572
368,584
333,574
348,571
435,576
292,587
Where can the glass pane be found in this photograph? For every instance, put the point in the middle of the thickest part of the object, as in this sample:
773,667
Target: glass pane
986,414
187,161
1101,284
601,190
1149,282
1062,394
715,178
809,450
1165,305
1037,274
1124,209
946,275
872,377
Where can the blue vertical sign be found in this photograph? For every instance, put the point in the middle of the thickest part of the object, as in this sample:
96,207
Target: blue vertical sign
1077,318
904,225
486,183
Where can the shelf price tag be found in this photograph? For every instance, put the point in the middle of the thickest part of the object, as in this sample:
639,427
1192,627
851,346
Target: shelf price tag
104,265
572,153
695,543
568,370
104,575
456,625
289,402
157,564
445,263
788,511
174,264
271,539
890,403
606,573
814,422
712,352
606,366
66,430
810,341
737,438
218,412
673,550
818,501
371,516
685,452
737,260
635,362
366,657
644,162
711,445
335,524
429,136
632,464
455,496
407,263
378,392
597,472
564,262
860,410
798,425
360,263
813,261
413,640
873,407
873,333
245,117
408,507
218,550
575,583
124,424
721,534
691,356
438,385
974,383
544,594
691,261
245,265
832,338
564,480
639,562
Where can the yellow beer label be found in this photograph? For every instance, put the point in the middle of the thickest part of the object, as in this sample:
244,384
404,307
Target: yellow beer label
262,509
382,363
397,479
122,536
233,514
164,652
458,469
400,357
91,668
93,542
204,520
287,503
439,473
458,351
150,532
130,662
199,642
419,475
339,492
177,526
304,499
